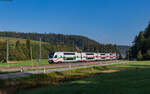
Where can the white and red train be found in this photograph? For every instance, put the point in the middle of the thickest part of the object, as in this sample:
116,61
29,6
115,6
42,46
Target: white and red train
60,57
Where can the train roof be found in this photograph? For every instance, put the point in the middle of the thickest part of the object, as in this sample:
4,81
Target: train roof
78,52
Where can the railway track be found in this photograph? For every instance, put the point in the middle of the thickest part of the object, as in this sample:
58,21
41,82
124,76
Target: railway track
21,74
60,65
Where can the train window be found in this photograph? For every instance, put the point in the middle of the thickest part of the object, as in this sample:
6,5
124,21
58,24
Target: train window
102,54
51,54
89,54
72,58
90,58
55,56
69,53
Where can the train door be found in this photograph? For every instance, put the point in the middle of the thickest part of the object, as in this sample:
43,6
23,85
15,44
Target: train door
78,57
83,56
95,56
107,56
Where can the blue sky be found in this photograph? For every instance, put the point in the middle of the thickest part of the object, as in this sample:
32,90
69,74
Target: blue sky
106,21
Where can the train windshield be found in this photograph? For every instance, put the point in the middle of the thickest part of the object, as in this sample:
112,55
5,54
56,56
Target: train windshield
51,55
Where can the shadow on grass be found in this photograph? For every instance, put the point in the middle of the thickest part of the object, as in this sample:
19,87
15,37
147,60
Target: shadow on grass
132,66
134,81
9,72
142,65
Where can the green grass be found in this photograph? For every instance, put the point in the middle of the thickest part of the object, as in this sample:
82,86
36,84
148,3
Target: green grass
13,40
10,86
134,78
24,63
133,65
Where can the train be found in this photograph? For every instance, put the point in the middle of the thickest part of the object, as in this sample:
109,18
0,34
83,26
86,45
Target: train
60,57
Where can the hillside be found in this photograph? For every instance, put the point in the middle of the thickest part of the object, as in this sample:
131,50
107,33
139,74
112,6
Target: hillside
20,49
21,44
81,42
14,40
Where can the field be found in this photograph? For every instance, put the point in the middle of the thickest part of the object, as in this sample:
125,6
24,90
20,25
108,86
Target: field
24,63
133,78
14,40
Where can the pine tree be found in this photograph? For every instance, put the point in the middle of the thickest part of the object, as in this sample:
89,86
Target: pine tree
148,54
147,31
139,41
2,52
19,54
139,56
28,45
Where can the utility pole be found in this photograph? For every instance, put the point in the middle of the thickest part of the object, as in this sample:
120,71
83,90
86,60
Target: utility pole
31,53
40,50
129,54
7,51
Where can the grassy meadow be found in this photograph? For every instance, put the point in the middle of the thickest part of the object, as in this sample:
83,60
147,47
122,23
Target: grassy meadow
132,78
14,40
24,63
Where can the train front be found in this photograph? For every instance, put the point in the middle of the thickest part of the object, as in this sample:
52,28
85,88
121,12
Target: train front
50,57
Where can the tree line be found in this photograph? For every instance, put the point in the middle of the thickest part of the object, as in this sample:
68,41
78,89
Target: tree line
141,45
50,42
